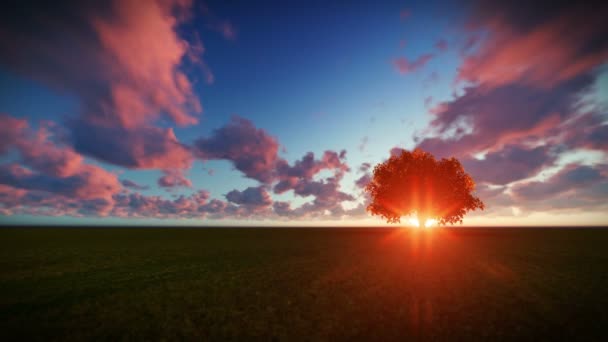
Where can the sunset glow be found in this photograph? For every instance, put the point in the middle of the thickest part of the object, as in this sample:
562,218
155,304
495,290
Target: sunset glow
428,224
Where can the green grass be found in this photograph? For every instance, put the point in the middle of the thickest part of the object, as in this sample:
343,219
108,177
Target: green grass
303,284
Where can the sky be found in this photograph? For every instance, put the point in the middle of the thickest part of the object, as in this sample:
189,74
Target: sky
274,113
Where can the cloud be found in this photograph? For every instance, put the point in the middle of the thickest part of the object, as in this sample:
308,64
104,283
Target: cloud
509,164
173,178
396,151
362,181
132,185
252,196
255,153
283,209
365,167
137,205
121,60
404,66
441,45
43,203
143,147
587,131
539,44
46,172
366,176
326,193
575,186
527,69
10,130
251,150
222,26
40,152
303,171
363,143
525,78
308,166
498,116
89,182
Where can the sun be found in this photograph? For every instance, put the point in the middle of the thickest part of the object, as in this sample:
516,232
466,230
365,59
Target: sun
428,224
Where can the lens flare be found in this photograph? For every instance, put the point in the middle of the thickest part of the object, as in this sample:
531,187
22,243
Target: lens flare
414,222
430,222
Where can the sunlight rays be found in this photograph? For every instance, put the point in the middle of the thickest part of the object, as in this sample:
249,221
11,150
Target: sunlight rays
428,224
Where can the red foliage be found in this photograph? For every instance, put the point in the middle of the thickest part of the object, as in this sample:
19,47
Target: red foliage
414,182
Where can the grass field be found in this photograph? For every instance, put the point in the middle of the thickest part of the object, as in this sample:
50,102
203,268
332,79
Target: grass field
303,284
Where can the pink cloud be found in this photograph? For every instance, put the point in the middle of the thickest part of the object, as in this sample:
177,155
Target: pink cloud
48,172
521,105
405,66
553,48
10,131
145,84
123,64
174,178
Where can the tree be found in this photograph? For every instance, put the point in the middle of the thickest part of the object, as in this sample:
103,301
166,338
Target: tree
414,182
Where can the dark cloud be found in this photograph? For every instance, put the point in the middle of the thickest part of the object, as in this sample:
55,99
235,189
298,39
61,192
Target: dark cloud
132,185
588,131
251,150
140,147
571,178
509,164
283,209
525,78
498,116
307,167
252,196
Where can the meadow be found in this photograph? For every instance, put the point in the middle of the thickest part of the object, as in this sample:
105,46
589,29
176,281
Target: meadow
303,284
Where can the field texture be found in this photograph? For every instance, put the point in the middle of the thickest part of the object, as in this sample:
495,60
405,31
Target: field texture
303,284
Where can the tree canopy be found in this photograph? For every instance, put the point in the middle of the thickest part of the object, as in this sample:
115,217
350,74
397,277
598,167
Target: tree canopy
415,182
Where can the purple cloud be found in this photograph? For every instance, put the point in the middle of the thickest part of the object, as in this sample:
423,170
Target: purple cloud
252,196
251,150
